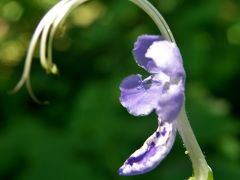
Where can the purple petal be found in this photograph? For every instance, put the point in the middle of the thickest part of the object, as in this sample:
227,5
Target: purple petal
140,48
140,97
166,58
153,151
132,82
171,102
158,92
156,55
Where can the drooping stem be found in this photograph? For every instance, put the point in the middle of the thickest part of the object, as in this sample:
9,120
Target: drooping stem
200,167
156,17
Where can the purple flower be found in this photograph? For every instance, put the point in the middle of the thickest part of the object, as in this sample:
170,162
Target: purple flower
162,92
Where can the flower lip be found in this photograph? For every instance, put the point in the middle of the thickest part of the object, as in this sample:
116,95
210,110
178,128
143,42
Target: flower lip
157,92
139,158
142,96
153,151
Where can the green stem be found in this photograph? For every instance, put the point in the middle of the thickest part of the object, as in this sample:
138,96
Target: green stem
156,17
199,163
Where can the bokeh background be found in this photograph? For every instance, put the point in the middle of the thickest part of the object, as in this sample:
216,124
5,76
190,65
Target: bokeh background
84,133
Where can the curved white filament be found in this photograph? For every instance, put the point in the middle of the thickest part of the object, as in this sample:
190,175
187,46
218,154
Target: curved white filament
45,31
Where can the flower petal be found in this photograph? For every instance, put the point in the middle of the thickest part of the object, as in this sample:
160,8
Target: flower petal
153,151
140,48
132,82
156,55
140,97
166,57
171,102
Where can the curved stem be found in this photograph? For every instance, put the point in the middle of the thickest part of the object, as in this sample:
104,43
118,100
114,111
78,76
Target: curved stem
156,17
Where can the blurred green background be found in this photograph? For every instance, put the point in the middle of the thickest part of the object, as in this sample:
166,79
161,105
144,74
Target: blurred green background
85,133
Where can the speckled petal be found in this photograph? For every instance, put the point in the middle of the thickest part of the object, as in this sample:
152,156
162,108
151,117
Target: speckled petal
153,151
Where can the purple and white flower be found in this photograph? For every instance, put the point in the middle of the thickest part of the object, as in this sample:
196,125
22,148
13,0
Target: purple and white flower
161,92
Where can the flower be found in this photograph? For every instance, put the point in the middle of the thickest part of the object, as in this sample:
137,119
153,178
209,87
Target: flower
162,92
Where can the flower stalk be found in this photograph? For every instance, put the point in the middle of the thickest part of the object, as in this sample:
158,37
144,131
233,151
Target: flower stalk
201,170
200,166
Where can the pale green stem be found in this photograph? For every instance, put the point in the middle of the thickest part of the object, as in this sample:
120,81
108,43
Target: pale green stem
156,17
199,163
200,166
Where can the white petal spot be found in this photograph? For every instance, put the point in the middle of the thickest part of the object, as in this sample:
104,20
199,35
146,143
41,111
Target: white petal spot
163,53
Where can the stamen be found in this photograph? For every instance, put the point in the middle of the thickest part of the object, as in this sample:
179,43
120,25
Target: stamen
45,31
